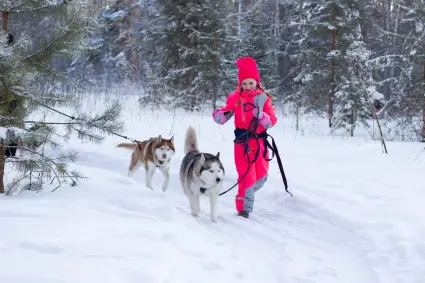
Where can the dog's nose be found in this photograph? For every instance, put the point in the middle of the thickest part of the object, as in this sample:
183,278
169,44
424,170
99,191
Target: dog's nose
218,180
164,156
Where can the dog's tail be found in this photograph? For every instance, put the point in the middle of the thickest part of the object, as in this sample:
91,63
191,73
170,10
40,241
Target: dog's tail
127,145
190,141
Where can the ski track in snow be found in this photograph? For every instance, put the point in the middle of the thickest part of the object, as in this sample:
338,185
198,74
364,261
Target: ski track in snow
127,233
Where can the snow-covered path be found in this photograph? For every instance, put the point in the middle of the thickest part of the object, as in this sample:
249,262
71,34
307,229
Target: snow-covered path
355,217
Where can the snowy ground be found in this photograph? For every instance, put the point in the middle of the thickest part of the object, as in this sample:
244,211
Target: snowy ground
355,215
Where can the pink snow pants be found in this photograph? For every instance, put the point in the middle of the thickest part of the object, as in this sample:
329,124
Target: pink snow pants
256,176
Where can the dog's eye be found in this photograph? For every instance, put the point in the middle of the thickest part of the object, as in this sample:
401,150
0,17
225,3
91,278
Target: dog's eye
212,171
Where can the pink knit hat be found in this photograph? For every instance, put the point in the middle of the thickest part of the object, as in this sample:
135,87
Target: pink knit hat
247,69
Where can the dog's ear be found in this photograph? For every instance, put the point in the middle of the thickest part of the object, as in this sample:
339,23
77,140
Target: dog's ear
218,155
159,138
172,140
202,159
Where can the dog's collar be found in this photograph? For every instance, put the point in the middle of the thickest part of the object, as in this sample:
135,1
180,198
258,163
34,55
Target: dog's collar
160,163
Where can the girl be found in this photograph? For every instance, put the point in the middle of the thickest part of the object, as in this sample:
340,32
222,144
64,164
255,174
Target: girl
254,114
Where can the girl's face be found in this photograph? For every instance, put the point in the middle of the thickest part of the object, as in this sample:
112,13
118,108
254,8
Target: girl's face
249,84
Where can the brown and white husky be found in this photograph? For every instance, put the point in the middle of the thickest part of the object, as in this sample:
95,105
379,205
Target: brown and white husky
153,153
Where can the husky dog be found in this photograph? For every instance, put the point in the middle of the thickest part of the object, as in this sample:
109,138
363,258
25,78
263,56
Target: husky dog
200,173
153,153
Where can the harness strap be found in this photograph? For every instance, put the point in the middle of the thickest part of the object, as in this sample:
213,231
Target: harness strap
274,150
241,136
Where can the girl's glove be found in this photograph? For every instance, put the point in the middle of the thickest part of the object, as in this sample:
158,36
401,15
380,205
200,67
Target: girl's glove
219,117
263,118
222,117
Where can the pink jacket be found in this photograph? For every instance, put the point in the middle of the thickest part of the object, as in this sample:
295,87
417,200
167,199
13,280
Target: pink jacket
235,102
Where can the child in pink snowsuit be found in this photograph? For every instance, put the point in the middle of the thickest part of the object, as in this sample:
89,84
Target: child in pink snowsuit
246,103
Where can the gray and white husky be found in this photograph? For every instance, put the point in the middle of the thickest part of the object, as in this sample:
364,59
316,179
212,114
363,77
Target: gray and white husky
200,174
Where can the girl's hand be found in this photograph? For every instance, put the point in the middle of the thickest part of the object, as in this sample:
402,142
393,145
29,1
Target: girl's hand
257,113
219,117
263,118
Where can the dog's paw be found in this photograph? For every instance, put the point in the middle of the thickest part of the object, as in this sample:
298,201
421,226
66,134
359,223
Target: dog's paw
194,214
213,218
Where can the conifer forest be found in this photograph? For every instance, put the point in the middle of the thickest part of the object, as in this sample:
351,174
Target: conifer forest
346,61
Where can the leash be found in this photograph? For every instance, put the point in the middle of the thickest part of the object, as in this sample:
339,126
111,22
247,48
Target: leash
274,150
253,125
244,139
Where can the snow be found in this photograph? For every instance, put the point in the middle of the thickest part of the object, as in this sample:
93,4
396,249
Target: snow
3,132
374,94
356,214
120,14
358,52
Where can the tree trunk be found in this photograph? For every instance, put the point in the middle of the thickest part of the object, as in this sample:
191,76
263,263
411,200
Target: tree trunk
332,93
239,33
215,70
2,161
423,113
297,115
242,8
2,150
5,20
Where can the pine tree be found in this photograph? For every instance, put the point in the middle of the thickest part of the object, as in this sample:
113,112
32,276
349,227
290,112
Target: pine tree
116,45
257,41
354,97
24,63
329,28
409,109
194,50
